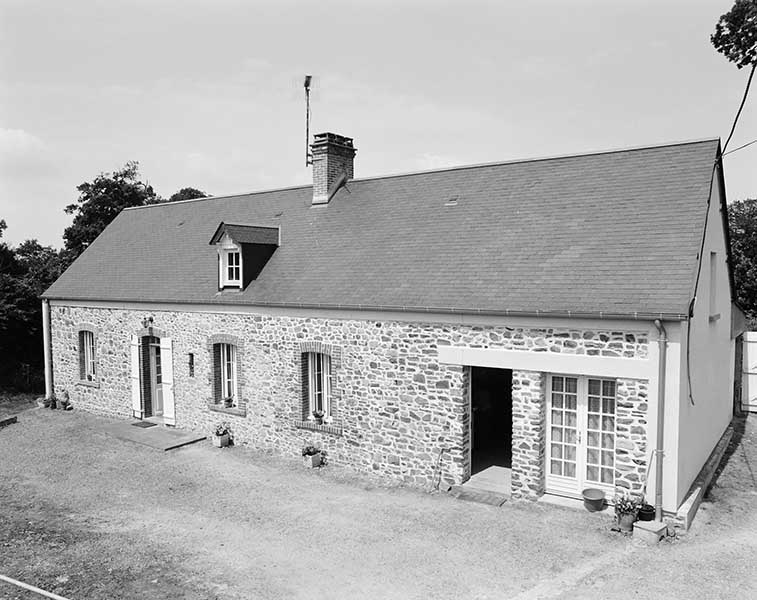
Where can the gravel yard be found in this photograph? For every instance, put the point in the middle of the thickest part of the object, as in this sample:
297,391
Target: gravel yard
89,516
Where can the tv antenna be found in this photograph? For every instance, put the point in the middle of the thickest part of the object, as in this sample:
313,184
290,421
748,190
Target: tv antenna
308,156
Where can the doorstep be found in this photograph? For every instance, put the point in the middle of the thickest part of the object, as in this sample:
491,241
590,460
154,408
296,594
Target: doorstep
160,438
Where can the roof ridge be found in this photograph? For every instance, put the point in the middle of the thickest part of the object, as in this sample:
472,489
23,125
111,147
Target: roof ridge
452,168
268,191
541,158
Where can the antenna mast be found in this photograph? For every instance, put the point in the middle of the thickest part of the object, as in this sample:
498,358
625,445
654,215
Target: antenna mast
308,156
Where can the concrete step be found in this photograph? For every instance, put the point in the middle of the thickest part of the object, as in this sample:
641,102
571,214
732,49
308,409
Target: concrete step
465,492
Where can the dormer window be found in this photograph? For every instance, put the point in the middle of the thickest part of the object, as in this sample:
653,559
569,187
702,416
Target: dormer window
243,251
233,267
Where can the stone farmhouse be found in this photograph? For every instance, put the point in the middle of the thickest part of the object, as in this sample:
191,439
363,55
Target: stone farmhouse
567,319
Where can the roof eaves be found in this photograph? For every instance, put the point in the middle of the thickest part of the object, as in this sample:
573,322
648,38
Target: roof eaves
602,315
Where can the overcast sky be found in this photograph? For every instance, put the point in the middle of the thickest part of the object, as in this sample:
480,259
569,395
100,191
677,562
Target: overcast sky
209,94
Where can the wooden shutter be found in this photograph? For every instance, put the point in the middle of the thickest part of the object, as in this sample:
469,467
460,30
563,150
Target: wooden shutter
82,358
305,359
136,398
217,393
166,367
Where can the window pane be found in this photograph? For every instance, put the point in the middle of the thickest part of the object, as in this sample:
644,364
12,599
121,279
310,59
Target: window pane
607,440
570,436
557,384
570,420
556,450
592,473
556,434
607,458
607,476
592,457
557,417
571,385
608,424
593,422
569,453
555,467
608,406
557,400
593,404
570,469
592,438
594,387
571,402
608,388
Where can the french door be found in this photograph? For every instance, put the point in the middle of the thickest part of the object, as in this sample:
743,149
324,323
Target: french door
580,434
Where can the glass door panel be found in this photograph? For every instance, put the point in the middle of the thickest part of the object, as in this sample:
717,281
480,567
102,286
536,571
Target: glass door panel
580,434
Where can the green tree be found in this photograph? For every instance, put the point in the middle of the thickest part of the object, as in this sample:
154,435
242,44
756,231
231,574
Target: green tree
187,193
99,203
736,34
742,221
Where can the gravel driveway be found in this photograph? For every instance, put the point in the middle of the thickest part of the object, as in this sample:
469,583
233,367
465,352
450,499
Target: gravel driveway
89,516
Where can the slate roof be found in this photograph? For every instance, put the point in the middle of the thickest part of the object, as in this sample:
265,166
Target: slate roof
615,233
247,234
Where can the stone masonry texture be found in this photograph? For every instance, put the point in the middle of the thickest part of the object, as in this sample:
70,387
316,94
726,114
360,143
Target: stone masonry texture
399,413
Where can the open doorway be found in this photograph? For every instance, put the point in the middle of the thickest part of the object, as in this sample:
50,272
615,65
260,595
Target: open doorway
491,418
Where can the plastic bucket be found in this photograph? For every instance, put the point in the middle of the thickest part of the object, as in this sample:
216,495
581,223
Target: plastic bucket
646,512
594,499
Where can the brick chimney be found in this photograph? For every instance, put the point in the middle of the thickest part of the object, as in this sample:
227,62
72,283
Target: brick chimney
333,158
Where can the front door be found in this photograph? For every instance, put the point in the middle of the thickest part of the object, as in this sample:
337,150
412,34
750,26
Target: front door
156,377
580,434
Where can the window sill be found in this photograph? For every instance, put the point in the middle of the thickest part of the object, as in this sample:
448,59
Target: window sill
714,318
323,428
85,383
236,411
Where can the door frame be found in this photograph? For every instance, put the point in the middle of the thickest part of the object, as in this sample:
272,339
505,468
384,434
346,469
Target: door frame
138,354
569,486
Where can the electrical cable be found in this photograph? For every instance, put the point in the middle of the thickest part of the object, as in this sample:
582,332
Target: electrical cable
718,160
739,148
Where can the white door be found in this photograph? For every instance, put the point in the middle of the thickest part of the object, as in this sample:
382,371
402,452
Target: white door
136,383
167,384
580,434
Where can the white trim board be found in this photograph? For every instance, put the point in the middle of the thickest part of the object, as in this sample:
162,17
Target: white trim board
549,362
625,325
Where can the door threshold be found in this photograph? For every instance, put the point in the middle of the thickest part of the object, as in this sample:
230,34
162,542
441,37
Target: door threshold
159,420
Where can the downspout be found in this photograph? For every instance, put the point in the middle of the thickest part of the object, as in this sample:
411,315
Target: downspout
47,349
662,342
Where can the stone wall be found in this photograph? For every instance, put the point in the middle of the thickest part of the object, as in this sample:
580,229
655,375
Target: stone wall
400,413
631,455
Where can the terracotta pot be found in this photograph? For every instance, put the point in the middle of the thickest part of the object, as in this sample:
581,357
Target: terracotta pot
312,460
221,441
626,521
594,499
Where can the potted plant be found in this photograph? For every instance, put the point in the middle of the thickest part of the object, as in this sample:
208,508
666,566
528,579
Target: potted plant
43,402
228,401
311,456
626,511
646,511
318,415
221,435
64,402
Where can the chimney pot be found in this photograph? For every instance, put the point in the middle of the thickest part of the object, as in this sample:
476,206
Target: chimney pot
333,164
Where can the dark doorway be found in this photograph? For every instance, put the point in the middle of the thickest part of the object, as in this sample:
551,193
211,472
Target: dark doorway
492,418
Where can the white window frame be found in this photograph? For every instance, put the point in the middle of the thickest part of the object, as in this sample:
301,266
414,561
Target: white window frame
88,349
229,372
319,396
572,486
228,250
232,261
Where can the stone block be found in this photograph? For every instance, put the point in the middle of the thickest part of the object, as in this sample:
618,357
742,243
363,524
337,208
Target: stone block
649,532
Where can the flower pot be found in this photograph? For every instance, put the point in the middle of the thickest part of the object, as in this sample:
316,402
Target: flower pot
312,460
626,521
221,441
43,402
594,499
646,512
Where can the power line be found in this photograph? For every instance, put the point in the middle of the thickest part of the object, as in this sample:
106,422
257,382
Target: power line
740,148
741,107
